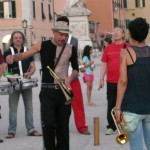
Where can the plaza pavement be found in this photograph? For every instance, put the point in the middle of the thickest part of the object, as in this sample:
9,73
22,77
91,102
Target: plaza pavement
77,141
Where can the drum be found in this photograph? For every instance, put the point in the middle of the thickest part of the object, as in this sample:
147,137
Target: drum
26,83
5,88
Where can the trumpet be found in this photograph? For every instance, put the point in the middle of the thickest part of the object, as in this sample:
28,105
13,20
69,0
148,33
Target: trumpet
66,91
122,138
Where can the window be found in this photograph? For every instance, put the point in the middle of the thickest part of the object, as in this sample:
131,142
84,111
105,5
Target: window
127,21
121,4
125,3
1,10
91,27
42,11
140,3
13,4
116,22
8,9
33,8
49,12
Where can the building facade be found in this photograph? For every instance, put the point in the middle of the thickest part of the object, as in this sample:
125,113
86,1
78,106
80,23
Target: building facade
134,9
33,17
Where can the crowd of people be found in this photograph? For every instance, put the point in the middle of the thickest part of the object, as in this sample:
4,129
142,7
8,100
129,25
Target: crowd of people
125,70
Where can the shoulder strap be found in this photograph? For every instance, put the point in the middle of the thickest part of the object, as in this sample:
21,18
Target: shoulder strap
59,55
12,50
19,62
69,39
130,55
25,48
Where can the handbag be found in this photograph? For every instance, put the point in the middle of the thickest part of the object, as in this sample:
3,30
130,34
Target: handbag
131,121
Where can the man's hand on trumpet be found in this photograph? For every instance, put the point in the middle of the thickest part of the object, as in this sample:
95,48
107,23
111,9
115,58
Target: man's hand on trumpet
68,82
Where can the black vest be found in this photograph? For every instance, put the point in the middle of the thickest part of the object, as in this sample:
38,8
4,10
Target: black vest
47,53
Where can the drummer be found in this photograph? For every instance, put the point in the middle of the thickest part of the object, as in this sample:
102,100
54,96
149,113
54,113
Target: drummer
1,71
26,69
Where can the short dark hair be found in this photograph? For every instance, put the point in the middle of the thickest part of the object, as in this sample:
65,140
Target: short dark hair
138,29
63,18
108,40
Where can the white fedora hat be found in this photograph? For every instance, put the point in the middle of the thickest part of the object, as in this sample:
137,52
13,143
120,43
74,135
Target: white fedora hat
61,26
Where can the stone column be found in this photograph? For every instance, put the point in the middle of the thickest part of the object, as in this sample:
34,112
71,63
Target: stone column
79,23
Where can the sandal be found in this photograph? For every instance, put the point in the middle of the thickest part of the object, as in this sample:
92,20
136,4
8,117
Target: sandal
10,135
34,133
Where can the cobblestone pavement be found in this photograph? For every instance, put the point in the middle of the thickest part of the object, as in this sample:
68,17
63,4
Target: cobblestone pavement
77,141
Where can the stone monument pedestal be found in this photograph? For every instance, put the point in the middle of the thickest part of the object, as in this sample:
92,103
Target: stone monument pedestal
79,26
79,23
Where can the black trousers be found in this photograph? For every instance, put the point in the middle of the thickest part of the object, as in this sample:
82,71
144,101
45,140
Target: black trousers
54,119
111,100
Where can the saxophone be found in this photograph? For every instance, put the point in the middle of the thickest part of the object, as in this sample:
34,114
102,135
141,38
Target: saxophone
66,91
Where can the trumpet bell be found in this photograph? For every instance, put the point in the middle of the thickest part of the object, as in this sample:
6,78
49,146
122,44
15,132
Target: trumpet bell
70,98
68,102
122,138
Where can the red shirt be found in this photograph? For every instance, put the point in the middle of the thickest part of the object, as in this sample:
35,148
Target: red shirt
111,56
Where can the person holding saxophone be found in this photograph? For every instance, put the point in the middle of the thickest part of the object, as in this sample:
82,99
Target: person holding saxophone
56,55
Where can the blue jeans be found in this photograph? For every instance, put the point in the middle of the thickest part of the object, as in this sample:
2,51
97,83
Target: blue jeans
142,130
13,106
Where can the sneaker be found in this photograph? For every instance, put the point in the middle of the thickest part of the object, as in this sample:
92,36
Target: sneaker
85,132
109,131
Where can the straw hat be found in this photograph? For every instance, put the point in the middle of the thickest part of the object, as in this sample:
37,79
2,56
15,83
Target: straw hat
61,26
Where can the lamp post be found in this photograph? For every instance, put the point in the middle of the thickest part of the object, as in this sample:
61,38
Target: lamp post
25,25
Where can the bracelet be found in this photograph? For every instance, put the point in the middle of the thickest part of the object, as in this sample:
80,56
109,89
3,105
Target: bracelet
117,109
81,66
